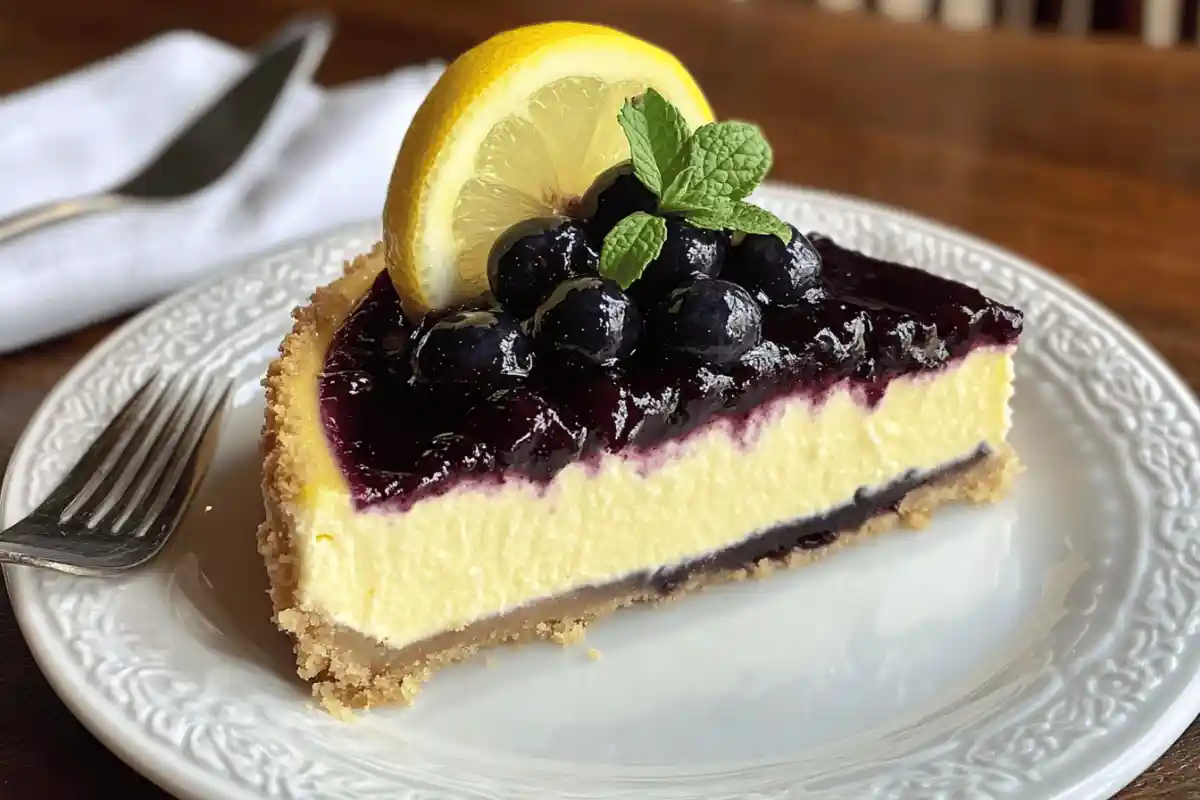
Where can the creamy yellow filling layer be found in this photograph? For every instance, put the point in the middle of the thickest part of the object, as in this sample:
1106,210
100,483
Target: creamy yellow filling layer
476,552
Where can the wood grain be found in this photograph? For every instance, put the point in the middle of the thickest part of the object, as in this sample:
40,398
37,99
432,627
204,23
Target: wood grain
1083,155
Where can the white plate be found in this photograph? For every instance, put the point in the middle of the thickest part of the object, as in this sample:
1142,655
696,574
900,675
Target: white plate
1044,647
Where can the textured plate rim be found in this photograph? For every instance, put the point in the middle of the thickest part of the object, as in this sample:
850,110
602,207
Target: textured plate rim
119,735
175,773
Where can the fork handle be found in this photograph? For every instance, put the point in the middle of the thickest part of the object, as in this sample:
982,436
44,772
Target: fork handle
47,214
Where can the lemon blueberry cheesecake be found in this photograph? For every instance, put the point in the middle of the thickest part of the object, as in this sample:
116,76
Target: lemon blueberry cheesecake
582,371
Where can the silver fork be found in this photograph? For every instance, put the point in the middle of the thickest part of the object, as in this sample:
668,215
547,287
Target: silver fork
124,498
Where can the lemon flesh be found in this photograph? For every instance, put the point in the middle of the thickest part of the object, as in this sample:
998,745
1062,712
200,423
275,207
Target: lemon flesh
517,128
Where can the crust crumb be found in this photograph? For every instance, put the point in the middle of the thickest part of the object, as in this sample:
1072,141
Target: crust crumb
568,632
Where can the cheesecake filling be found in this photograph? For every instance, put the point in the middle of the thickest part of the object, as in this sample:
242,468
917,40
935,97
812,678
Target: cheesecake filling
984,477
482,548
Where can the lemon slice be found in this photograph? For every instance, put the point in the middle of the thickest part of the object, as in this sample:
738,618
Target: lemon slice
516,128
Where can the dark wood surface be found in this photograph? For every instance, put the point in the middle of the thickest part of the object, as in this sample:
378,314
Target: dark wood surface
1082,155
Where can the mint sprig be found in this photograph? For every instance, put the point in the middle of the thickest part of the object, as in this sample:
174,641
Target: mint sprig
704,176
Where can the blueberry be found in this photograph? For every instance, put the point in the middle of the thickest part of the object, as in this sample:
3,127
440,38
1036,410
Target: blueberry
473,347
615,195
525,431
689,252
713,320
589,318
774,272
603,404
600,399
529,260
436,467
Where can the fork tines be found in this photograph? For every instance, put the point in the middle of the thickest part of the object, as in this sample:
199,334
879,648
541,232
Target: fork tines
125,480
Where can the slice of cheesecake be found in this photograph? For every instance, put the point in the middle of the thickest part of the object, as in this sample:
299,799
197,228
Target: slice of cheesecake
408,526
582,371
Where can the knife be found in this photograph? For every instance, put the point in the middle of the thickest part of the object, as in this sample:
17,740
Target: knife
209,144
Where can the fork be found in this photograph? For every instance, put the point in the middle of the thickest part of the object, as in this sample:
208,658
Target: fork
122,501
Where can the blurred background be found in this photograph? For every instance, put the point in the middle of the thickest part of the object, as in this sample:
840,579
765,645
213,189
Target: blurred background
1159,23
35,38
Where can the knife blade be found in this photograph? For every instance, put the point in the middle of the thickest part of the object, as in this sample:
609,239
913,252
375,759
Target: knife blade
218,136
213,141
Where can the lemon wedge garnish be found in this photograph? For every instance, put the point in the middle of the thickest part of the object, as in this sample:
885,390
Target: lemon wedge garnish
516,128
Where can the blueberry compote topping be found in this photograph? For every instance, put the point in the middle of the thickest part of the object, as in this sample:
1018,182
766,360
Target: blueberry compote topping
413,409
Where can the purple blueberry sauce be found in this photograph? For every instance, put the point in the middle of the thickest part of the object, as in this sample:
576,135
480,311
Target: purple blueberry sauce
398,440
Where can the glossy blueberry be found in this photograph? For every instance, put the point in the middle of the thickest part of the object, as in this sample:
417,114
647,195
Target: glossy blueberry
615,195
443,460
531,259
774,272
603,401
689,252
588,318
712,320
525,431
480,348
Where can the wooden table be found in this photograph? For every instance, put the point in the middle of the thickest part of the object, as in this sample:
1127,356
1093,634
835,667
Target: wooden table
1084,156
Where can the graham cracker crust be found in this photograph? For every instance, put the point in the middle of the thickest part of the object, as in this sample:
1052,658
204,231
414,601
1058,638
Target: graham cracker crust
349,671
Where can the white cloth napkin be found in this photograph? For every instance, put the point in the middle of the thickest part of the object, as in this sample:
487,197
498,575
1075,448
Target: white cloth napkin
324,159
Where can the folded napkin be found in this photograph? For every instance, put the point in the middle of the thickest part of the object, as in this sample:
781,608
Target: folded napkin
323,159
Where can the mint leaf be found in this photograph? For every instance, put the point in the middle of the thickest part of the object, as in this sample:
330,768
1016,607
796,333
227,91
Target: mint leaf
714,219
744,217
637,130
632,244
688,192
731,158
657,133
752,219
668,133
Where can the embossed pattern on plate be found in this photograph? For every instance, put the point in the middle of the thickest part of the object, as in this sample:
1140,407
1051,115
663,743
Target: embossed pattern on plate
1046,647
